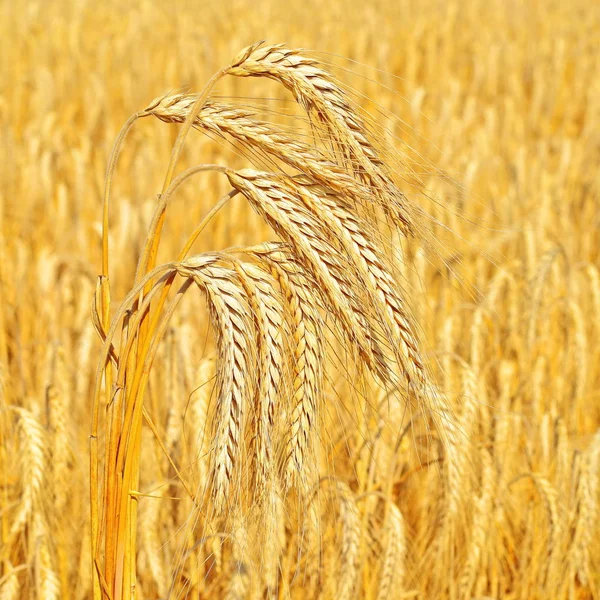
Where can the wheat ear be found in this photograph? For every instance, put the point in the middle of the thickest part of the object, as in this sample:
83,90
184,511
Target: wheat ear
308,349
318,93
234,324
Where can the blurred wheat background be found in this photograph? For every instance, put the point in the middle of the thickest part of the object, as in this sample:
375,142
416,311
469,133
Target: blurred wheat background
491,110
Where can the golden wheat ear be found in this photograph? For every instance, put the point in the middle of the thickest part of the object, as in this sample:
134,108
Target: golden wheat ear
268,313
320,95
308,356
232,316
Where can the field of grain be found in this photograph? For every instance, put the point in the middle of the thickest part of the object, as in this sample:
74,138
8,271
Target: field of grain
371,372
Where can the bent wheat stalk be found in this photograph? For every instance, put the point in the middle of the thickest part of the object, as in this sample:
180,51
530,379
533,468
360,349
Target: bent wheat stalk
272,308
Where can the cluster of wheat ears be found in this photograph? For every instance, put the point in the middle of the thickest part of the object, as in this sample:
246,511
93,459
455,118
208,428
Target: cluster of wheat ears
271,306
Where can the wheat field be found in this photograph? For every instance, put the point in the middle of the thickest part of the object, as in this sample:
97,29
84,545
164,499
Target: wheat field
300,300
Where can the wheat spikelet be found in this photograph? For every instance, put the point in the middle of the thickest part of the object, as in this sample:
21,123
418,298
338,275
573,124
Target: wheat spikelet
273,539
593,274
549,498
216,553
58,405
461,473
563,458
240,124
240,575
310,547
356,238
538,284
502,433
47,581
83,587
454,461
580,353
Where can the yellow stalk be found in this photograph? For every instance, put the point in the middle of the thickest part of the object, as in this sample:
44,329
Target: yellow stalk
128,458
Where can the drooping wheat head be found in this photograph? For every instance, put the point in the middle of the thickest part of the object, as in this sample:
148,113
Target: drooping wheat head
274,308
